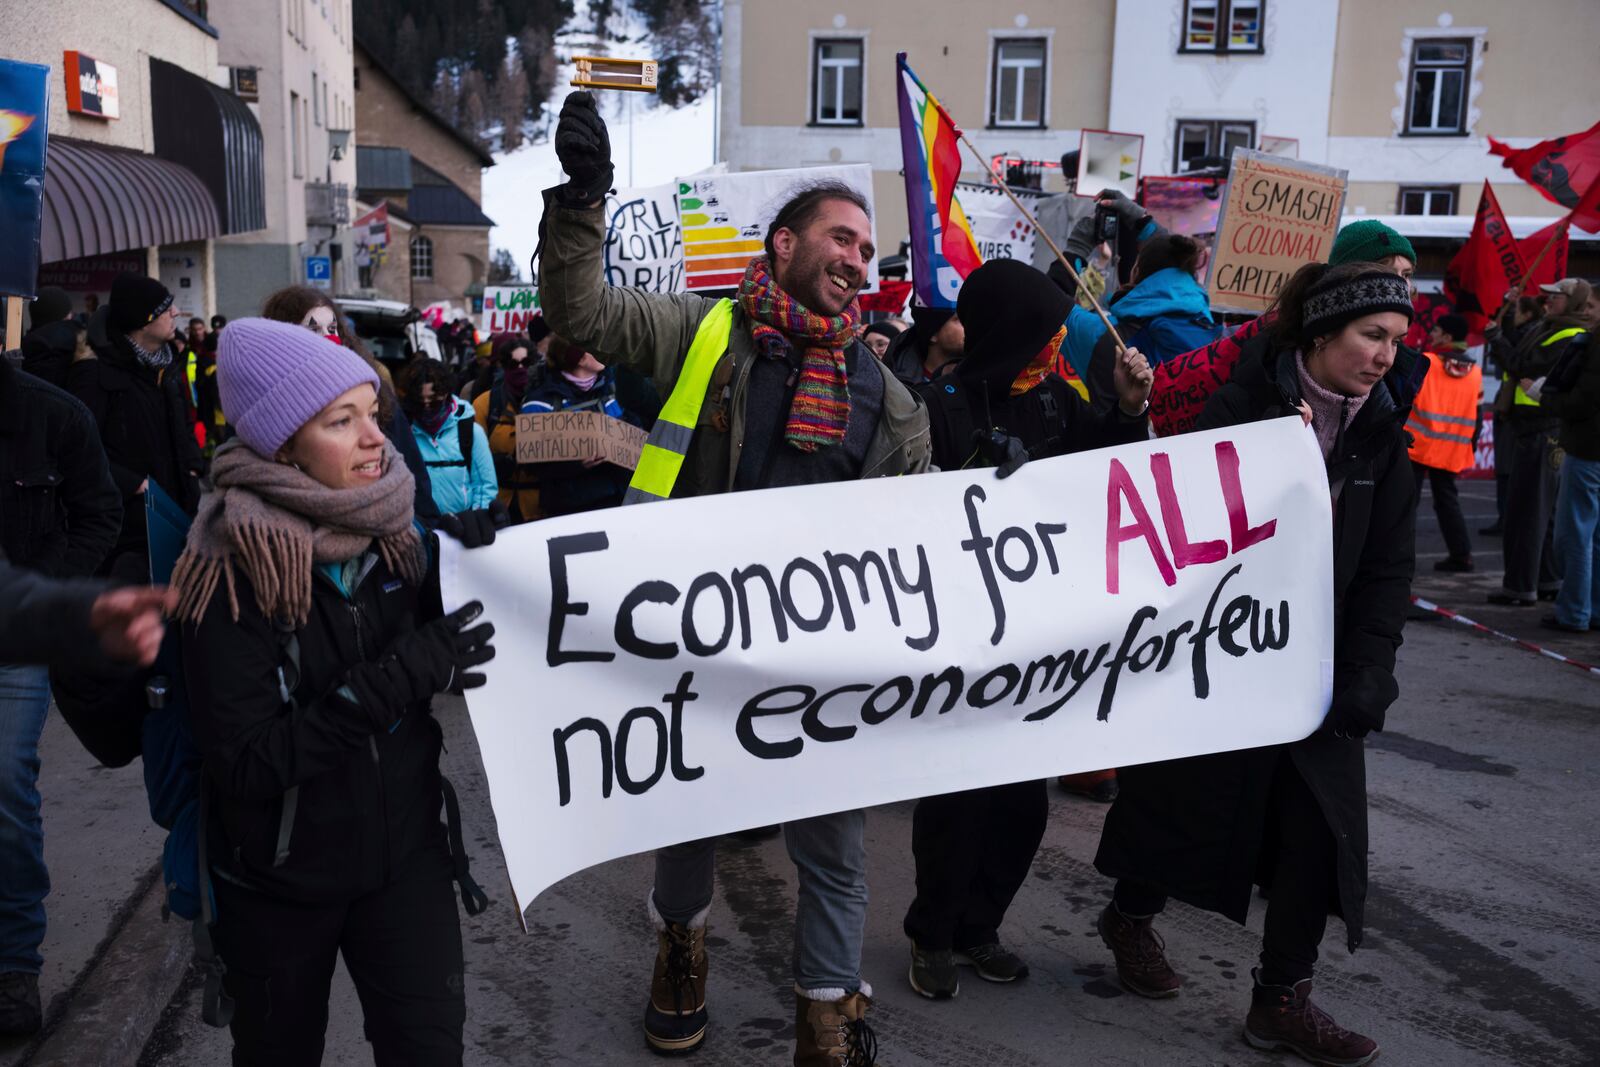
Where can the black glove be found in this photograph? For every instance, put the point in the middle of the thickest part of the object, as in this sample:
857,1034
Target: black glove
473,529
431,659
1004,452
584,148
1080,243
1130,216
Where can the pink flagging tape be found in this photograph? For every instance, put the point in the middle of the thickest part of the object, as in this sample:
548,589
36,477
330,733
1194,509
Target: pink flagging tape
1428,605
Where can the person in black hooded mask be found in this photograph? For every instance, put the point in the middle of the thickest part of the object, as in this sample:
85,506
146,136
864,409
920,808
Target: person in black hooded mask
1001,406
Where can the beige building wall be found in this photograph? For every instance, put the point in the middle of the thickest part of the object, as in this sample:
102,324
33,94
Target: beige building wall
385,116
767,89
123,33
1529,81
460,260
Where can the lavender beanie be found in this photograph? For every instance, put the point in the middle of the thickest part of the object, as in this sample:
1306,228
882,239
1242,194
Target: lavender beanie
274,376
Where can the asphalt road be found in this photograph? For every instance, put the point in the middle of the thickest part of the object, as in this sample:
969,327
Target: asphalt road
1483,945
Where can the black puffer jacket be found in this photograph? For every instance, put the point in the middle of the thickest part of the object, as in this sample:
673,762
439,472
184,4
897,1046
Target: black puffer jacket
360,785
1196,826
143,416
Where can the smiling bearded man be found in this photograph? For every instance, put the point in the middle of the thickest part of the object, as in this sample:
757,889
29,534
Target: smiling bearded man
770,389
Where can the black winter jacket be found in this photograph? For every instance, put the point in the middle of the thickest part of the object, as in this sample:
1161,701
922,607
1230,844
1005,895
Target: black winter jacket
144,424
1050,420
59,510
1572,393
1197,827
359,787
47,351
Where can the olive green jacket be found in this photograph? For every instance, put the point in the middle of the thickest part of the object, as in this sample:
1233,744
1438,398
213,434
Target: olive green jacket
651,332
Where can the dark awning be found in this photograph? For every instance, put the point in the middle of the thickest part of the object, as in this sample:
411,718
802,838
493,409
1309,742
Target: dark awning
99,199
213,133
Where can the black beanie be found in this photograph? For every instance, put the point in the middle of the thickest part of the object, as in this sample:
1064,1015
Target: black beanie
1454,326
925,322
136,301
1010,311
51,305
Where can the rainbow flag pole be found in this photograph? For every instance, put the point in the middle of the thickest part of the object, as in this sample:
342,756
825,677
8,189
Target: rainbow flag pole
943,251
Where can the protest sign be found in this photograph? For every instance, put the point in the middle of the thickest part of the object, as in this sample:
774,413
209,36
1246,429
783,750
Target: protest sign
1108,160
725,218
553,436
999,228
644,243
507,308
1277,216
1184,205
1286,147
24,116
698,666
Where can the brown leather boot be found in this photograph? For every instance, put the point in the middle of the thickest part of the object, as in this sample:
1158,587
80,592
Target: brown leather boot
1283,1017
675,1019
1140,953
833,1033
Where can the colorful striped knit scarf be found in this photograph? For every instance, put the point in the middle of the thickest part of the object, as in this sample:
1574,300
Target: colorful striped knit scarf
819,414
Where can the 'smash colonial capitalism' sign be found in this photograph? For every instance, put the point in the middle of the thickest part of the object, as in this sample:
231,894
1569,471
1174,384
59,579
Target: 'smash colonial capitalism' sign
1278,215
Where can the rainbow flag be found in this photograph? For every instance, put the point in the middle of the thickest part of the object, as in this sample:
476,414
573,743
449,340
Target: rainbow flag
943,251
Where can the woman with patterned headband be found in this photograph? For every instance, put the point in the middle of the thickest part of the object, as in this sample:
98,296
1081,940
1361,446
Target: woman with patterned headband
1292,818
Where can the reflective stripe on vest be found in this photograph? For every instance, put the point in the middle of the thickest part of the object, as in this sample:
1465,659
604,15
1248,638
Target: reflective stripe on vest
1560,335
1443,417
664,450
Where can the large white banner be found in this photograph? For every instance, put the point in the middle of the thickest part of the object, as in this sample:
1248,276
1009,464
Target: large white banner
692,667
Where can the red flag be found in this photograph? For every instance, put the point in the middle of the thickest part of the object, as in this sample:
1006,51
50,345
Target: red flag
1565,169
1487,265
1552,267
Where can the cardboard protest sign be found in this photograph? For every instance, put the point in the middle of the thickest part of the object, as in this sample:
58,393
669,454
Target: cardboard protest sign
554,436
1286,147
1108,160
999,229
697,666
725,218
644,243
507,308
1277,216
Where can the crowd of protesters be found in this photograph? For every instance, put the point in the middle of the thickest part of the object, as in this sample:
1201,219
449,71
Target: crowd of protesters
313,639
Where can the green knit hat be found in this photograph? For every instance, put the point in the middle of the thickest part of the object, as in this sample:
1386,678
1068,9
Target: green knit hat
1368,241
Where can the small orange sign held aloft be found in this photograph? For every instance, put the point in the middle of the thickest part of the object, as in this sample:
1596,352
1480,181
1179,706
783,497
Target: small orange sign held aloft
604,72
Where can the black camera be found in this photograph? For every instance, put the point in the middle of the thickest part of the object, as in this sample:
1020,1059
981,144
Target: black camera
1105,224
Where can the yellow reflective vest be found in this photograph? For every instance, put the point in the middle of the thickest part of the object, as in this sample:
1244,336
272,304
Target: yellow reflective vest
669,440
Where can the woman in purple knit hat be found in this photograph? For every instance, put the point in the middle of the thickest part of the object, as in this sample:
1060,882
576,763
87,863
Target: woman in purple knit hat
311,654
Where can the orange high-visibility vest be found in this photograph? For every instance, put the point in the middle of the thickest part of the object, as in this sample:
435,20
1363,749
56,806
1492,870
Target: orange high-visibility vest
1443,416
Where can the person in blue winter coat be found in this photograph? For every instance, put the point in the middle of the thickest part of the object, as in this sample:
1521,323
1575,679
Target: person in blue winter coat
578,382
454,447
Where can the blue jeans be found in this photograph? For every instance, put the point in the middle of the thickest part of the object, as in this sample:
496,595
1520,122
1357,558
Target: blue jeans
830,922
1578,541
24,882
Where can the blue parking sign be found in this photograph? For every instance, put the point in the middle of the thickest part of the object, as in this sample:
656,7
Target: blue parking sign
319,271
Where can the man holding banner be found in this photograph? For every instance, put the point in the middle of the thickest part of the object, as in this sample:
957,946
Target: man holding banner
771,389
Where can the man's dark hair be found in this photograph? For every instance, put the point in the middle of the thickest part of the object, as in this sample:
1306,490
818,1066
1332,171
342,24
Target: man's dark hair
804,207
1168,250
196,319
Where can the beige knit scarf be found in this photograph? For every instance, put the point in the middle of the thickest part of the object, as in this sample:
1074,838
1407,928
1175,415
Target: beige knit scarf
274,522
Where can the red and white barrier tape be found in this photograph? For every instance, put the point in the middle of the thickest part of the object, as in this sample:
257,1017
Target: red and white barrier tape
1428,605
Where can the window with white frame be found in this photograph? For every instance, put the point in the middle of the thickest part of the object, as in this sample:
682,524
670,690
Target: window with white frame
1199,139
421,259
836,72
1428,199
1223,26
1437,93
1016,95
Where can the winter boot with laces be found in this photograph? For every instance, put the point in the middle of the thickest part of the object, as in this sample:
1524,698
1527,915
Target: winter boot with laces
1283,1017
675,1018
1140,953
831,1030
